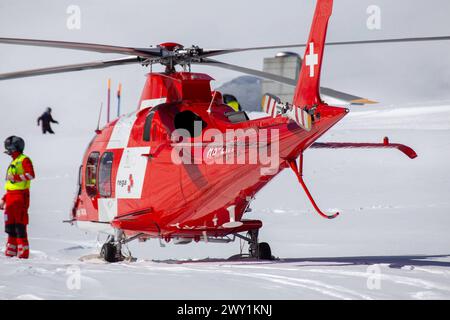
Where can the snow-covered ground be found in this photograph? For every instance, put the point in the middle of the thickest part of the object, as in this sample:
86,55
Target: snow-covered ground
392,239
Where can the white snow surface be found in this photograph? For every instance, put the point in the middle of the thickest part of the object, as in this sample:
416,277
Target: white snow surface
391,241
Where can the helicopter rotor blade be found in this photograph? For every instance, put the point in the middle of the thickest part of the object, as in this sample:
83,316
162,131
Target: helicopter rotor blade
253,72
70,68
346,97
397,40
215,52
93,47
158,52
331,93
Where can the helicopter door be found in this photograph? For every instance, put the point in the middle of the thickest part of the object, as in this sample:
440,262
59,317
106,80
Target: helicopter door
91,174
107,204
105,175
131,173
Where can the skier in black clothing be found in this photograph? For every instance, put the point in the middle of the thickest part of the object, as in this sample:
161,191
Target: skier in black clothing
46,119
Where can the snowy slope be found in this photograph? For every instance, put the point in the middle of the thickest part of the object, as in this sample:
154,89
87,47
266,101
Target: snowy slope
395,223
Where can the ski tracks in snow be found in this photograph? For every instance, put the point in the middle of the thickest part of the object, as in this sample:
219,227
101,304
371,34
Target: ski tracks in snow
303,281
45,277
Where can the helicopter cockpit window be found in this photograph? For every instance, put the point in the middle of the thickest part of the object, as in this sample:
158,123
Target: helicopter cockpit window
104,175
188,120
148,126
91,174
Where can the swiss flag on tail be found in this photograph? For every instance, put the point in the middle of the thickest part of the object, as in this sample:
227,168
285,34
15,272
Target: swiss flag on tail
307,90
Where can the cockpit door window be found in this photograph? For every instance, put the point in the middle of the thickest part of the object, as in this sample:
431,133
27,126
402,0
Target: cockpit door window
91,174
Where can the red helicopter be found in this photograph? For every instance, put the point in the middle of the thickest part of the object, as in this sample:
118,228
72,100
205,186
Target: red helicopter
169,169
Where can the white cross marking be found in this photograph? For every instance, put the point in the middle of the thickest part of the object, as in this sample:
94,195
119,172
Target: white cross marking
312,59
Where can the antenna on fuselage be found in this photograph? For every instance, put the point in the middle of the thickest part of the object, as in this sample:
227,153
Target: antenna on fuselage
108,99
99,117
212,101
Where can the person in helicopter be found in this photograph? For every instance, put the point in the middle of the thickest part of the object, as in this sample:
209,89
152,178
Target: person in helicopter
46,118
232,102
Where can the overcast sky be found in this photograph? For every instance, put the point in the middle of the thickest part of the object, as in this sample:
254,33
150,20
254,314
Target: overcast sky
392,74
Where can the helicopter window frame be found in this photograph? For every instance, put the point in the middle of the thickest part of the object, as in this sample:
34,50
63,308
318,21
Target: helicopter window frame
148,126
80,175
105,175
91,172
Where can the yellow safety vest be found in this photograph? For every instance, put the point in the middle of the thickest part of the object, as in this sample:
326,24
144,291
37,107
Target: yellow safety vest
234,105
16,168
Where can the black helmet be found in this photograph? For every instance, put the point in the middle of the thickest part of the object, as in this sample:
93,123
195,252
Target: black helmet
227,98
14,144
49,109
